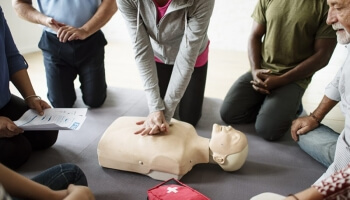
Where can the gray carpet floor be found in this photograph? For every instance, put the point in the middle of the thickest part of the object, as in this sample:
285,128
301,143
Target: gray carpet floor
280,167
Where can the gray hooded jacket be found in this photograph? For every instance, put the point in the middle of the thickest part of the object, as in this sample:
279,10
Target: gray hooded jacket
178,39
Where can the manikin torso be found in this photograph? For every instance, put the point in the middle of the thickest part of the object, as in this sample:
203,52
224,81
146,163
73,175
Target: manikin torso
172,154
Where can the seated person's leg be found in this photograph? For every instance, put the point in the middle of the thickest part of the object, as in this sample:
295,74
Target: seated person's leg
242,102
60,176
278,111
37,139
41,139
320,144
190,106
14,151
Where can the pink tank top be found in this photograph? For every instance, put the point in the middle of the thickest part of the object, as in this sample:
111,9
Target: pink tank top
202,58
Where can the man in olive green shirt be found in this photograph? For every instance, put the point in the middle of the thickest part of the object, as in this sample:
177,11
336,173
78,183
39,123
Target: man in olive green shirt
289,42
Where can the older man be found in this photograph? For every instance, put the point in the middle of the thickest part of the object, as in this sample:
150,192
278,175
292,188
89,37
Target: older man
318,140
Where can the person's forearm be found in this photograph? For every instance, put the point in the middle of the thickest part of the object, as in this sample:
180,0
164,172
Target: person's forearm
310,193
22,82
19,186
323,108
103,14
254,52
25,10
323,52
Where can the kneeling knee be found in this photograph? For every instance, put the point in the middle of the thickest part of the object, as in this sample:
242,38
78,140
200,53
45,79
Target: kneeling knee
269,134
94,102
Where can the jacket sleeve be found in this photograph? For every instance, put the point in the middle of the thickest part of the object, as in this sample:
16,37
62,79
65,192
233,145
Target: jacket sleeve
15,60
195,34
144,56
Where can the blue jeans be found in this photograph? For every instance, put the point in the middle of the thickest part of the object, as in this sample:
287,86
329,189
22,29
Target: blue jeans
320,144
60,176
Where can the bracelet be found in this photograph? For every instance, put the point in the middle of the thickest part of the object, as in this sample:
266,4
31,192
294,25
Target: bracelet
293,195
30,96
315,118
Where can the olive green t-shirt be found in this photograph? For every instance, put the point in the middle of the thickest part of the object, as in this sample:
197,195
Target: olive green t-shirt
292,26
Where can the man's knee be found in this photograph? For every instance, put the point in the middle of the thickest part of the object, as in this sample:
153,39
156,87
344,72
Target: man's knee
270,131
94,101
15,151
227,116
62,102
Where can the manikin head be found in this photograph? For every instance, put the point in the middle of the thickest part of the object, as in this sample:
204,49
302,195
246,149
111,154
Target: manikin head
339,18
228,147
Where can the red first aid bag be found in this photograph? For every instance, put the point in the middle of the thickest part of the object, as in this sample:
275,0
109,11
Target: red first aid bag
173,189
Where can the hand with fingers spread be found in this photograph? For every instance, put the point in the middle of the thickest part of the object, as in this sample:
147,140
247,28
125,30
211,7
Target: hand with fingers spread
303,125
155,123
8,128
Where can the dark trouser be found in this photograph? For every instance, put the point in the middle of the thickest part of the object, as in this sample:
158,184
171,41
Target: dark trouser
190,107
16,150
59,177
273,114
65,61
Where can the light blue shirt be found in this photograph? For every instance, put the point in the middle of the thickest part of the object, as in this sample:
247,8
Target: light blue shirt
71,12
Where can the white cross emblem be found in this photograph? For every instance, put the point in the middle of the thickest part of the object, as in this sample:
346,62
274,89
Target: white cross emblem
172,189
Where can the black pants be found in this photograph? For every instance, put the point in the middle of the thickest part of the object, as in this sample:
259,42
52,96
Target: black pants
16,150
190,107
64,62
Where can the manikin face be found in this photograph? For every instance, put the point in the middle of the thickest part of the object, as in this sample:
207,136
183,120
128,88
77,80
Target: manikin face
339,18
226,141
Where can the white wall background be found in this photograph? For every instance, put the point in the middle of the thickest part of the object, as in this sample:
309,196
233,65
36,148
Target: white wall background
25,34
229,27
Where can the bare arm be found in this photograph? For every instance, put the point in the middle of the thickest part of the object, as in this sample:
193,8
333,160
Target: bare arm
323,50
25,10
255,45
254,56
20,186
22,82
264,82
103,14
310,193
305,124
